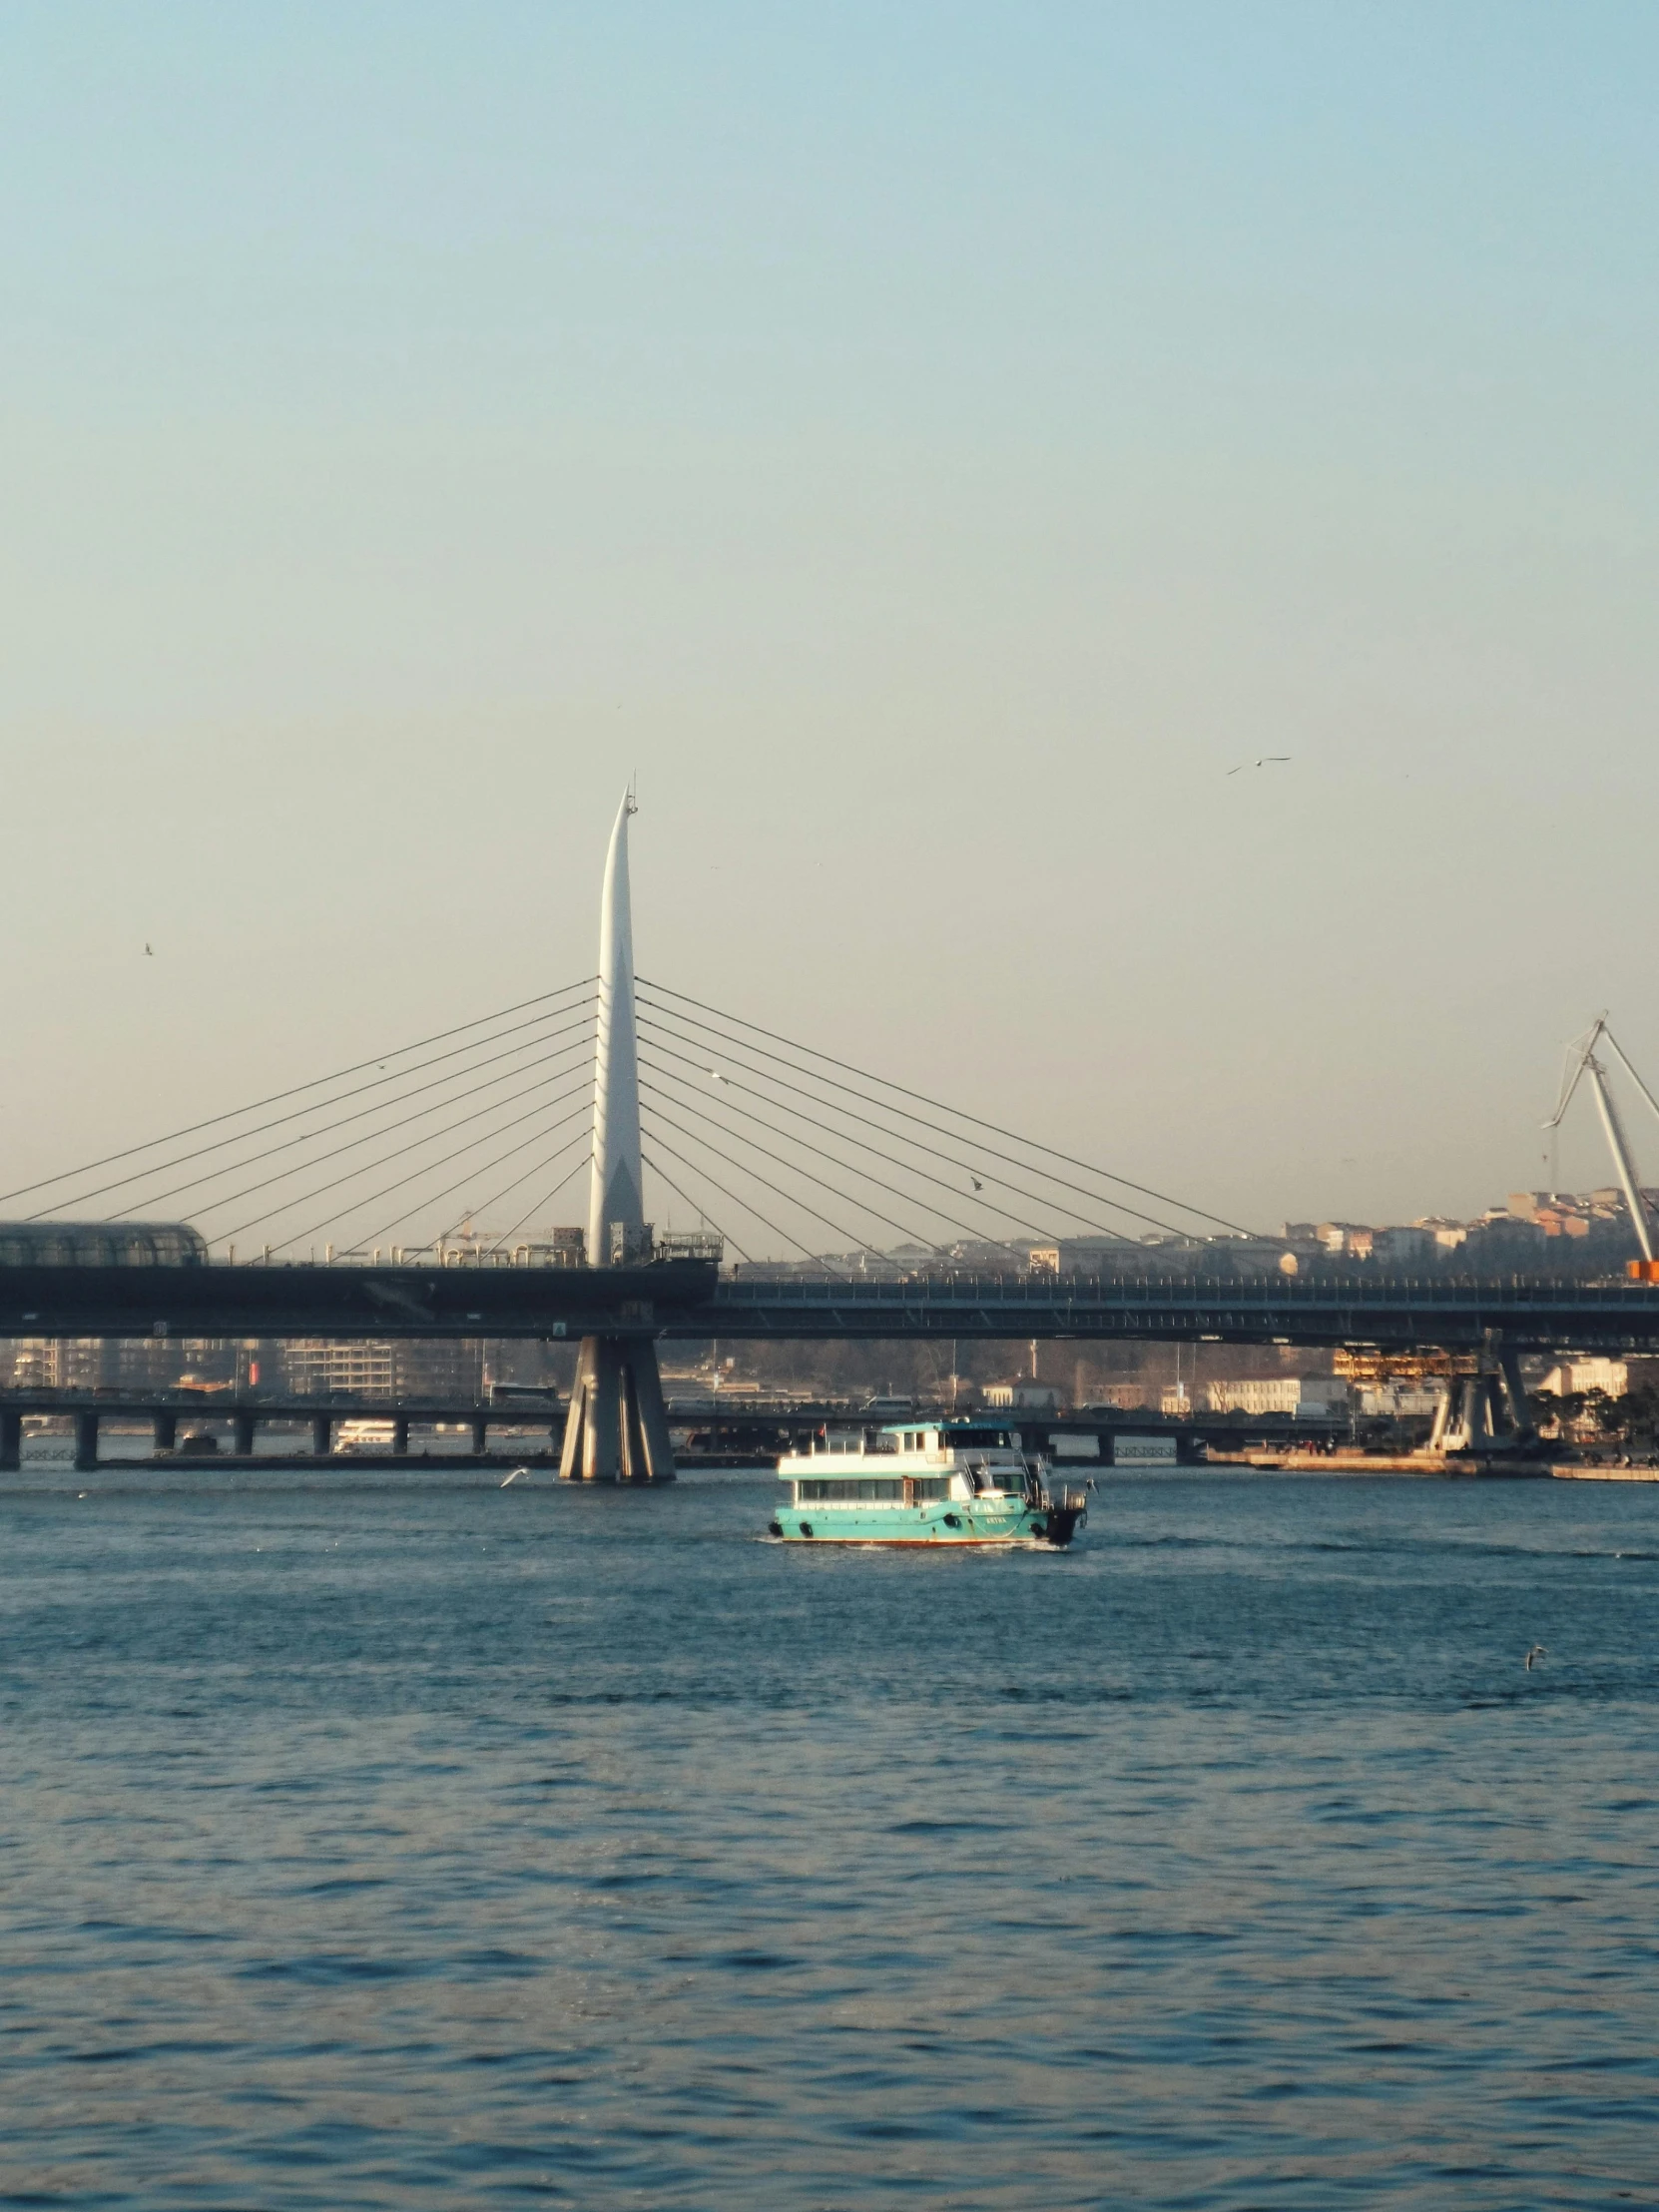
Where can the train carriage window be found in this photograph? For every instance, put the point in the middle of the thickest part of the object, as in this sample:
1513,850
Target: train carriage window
101,1244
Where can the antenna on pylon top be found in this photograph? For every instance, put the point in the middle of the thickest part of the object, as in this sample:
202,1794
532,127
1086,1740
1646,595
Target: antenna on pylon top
633,791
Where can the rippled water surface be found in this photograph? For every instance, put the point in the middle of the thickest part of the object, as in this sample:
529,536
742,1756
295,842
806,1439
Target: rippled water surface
373,1842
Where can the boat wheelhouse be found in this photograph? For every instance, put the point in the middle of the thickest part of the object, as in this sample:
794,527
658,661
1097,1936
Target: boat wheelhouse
922,1481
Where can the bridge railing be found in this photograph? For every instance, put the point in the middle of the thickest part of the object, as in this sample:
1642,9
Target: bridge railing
1048,1291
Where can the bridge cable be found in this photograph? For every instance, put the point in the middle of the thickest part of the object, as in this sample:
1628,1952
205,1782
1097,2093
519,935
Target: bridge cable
530,1214
370,1136
656,1034
862,1144
299,1113
788,1196
444,1235
738,1135
448,1191
1032,1144
1099,1198
851,1167
302,1113
471,1145
471,1210
702,1214
374,1167
736,1200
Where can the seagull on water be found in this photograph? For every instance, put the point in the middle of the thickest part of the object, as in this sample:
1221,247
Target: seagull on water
1268,760
1538,1651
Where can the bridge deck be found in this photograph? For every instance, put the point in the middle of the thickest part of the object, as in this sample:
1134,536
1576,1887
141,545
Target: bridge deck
1527,1314
684,1299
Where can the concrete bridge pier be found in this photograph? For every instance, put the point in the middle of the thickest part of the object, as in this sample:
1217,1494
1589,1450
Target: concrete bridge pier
11,1441
1484,1411
617,1428
163,1431
322,1435
86,1441
480,1439
242,1435
400,1437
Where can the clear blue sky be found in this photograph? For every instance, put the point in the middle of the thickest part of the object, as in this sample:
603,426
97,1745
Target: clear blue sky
932,444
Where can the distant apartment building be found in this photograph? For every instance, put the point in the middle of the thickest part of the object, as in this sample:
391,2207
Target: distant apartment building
1401,1400
1572,1213
442,1367
1445,1236
1304,1394
1574,1377
1402,1247
120,1363
66,1363
1021,1397
1125,1398
1346,1240
1078,1256
319,1366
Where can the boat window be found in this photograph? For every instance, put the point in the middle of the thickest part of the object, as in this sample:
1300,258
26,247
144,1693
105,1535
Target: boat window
927,1488
855,1490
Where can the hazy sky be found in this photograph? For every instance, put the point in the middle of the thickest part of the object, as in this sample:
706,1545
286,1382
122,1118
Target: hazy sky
932,444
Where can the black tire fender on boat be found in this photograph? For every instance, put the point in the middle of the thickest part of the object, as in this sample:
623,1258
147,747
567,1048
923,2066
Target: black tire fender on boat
805,1528
774,1529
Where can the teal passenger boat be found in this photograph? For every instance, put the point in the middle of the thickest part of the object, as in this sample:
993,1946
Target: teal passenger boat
938,1483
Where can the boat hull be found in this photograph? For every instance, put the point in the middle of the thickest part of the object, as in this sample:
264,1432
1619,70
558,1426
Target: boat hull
1031,1528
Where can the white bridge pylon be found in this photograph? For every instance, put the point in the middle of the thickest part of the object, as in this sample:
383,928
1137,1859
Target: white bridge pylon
617,1430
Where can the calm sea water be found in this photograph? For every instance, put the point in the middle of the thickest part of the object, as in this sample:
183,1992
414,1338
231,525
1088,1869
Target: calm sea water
369,1842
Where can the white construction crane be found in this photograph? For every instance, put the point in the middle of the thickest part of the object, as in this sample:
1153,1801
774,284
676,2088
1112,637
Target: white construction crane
1583,1061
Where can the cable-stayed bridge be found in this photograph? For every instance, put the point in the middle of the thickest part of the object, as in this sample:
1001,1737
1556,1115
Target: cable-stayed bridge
352,1205
759,1139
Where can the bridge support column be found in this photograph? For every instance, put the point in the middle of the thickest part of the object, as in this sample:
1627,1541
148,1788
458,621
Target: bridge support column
1484,1411
1514,1392
480,1439
400,1437
243,1439
11,1439
86,1443
163,1433
322,1435
617,1430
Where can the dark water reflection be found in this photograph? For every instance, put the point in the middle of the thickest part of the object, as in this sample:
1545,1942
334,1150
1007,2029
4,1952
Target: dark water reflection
443,1846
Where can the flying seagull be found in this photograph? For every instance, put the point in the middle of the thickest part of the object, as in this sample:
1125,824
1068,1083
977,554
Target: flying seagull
974,1180
1538,1651
148,953
715,1076
524,1472
1267,760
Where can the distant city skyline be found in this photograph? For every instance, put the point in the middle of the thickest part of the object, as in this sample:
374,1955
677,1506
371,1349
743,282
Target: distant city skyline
933,447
